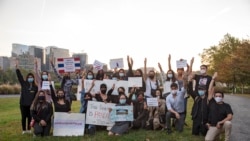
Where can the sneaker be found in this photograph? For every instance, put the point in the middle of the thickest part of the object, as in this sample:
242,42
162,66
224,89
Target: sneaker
169,131
28,131
23,132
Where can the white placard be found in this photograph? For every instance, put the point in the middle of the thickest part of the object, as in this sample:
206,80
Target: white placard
98,113
68,124
166,88
116,63
181,64
134,81
69,64
121,83
45,85
122,113
98,65
152,102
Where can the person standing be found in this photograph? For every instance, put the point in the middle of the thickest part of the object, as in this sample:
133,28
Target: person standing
28,93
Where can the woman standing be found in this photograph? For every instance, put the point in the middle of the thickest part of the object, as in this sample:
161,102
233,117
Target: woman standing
28,92
41,112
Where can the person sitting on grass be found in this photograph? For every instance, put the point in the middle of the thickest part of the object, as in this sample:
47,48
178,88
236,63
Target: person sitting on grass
41,112
120,127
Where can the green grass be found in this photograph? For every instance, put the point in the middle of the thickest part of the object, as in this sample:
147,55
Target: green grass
10,128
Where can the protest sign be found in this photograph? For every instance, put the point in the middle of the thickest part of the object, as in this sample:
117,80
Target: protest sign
98,65
134,81
122,113
181,64
152,102
166,87
116,63
121,83
68,64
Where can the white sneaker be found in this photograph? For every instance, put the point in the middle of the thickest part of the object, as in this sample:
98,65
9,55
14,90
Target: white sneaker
23,132
28,131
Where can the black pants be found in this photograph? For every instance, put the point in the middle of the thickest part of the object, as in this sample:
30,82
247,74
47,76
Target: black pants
198,127
42,130
25,113
179,122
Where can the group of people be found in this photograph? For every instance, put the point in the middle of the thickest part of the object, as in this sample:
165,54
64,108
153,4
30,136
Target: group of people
210,114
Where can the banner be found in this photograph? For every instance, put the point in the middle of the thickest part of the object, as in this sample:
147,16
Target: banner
68,64
122,113
134,81
68,124
98,113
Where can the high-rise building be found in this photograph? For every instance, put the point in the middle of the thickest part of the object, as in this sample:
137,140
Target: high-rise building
4,63
83,58
27,54
53,52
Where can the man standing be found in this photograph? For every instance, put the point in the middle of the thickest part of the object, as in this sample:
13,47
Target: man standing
220,115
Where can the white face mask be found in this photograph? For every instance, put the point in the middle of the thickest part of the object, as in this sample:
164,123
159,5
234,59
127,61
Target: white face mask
170,75
203,71
218,99
174,91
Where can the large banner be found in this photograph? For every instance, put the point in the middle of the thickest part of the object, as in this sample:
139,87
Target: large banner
68,124
122,113
98,113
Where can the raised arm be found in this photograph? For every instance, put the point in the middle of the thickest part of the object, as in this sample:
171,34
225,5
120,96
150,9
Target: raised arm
169,62
130,66
145,70
191,66
163,75
19,74
55,71
37,76
52,90
211,86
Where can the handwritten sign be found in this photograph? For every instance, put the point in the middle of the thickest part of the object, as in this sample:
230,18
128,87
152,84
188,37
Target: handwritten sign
68,64
98,65
181,64
68,124
45,85
116,63
122,113
98,113
166,87
134,81
152,102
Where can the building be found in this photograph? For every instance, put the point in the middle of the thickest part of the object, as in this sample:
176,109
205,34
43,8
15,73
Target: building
83,58
53,52
4,63
27,54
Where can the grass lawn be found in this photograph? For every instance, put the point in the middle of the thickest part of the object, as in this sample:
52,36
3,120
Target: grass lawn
10,128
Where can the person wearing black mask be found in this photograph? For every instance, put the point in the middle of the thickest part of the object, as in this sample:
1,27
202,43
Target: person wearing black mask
28,93
102,96
60,104
41,112
66,82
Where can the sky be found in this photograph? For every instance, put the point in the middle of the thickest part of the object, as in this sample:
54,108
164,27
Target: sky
109,29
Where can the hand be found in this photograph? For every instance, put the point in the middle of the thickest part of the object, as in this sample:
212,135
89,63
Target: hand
43,123
215,75
208,125
35,62
131,61
159,65
16,64
192,61
177,115
49,77
219,125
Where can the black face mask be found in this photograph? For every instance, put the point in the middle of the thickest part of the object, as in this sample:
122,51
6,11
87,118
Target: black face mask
103,91
151,76
60,96
41,98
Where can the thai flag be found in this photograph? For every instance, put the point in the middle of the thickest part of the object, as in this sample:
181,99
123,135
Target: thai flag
68,65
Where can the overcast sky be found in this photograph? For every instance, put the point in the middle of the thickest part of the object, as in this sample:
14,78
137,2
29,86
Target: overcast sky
108,29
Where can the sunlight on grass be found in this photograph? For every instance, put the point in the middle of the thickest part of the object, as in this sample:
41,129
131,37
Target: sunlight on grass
10,128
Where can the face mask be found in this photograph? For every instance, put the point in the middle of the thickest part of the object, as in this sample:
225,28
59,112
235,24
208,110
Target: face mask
41,98
218,99
203,71
121,74
133,97
30,80
103,91
45,77
90,76
170,75
140,98
174,91
122,101
151,76
201,92
60,96
114,78
158,97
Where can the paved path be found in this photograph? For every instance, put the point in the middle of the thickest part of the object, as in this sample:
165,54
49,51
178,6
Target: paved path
241,117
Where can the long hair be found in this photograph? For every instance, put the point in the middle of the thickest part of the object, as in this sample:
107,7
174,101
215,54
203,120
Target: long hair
100,75
173,78
86,77
35,103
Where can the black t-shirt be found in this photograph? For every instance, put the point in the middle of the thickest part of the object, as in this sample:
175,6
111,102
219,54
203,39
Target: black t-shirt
62,107
218,112
202,80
